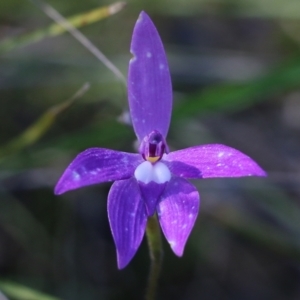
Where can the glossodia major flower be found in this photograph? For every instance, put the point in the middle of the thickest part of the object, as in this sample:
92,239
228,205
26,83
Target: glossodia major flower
153,181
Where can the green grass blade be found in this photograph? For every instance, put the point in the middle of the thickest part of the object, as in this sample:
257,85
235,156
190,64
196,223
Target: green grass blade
39,128
17,291
55,29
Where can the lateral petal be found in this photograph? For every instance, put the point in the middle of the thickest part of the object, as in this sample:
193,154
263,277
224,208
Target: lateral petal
96,165
181,169
127,218
149,82
213,160
177,212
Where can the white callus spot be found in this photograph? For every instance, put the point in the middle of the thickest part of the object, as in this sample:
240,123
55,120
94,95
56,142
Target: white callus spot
161,173
147,172
144,172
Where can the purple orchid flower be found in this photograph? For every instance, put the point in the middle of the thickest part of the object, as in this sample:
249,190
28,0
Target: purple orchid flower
154,180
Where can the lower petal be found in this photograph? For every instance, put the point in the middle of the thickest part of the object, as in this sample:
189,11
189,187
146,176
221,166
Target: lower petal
127,218
177,212
151,193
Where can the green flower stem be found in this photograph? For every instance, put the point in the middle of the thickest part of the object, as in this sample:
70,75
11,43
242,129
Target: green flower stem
156,254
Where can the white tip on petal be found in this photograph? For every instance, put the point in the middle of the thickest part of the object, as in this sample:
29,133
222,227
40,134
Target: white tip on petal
146,172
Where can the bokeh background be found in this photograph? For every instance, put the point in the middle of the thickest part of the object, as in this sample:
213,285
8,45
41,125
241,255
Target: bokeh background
235,67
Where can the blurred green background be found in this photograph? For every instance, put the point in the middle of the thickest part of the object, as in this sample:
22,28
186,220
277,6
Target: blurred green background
235,67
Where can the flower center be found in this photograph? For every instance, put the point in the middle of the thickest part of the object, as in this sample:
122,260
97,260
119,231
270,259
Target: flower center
153,146
147,172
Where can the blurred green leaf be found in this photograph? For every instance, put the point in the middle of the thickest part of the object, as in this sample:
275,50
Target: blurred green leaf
277,204
257,231
108,134
54,29
20,292
279,9
36,130
234,97
25,229
271,223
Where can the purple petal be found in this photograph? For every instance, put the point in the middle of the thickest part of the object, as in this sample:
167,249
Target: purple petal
181,169
151,193
149,82
177,212
97,165
213,161
127,218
